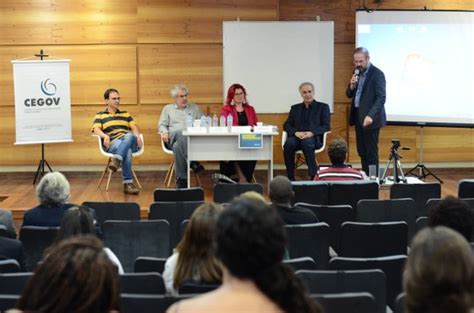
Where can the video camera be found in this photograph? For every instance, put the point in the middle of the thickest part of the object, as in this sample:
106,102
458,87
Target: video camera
395,144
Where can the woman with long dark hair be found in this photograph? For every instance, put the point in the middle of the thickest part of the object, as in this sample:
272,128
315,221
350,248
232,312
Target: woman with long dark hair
76,276
250,240
194,259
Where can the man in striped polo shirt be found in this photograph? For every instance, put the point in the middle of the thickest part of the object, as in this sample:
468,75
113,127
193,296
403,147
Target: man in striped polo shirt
337,152
120,136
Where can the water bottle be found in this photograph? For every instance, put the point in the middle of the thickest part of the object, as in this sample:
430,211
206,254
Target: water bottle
203,120
208,121
229,122
189,120
215,120
222,122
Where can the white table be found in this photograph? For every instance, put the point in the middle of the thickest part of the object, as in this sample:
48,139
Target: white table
224,147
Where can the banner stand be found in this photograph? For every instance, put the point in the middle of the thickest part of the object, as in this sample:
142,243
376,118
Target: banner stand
40,171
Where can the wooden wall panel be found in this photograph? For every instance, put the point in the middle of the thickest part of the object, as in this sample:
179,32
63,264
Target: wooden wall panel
198,66
196,21
143,47
93,69
67,22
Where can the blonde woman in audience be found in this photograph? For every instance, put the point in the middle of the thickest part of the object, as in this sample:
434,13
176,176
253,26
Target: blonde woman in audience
193,259
439,273
76,276
250,239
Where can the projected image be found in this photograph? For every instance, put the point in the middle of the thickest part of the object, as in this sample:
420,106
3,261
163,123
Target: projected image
428,65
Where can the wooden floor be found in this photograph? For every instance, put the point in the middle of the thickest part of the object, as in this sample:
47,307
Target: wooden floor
17,192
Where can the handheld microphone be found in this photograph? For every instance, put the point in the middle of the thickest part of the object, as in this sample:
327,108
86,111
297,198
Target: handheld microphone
357,72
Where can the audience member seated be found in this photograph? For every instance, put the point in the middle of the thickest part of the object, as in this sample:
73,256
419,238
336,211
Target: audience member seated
12,249
439,273
193,259
6,219
53,194
281,194
250,242
253,195
455,214
337,151
77,276
79,220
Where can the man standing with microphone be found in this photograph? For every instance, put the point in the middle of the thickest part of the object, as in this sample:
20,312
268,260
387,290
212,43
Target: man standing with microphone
367,114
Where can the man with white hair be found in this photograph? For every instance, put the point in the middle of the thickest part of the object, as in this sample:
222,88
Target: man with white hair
171,125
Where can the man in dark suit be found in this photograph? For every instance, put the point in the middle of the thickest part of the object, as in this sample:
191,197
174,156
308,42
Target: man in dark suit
306,124
367,90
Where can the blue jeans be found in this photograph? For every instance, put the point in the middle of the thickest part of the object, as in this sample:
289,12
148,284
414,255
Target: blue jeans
122,149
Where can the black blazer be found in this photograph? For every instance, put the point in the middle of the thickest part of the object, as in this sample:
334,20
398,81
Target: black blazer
320,119
372,99
11,249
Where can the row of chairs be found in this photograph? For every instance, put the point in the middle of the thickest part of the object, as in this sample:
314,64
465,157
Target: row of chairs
331,284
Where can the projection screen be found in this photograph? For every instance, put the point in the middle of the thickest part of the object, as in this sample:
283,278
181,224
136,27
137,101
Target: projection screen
428,61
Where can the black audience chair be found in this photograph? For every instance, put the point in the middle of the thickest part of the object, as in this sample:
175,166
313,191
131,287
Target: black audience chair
196,288
143,303
421,222
117,211
421,193
35,240
175,213
176,195
13,283
334,215
146,264
303,263
346,302
312,192
370,240
3,231
309,240
392,210
400,304
142,283
8,302
182,229
131,239
392,266
466,188
351,192
353,281
9,266
224,193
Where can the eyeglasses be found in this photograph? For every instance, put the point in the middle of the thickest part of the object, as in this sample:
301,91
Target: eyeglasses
115,99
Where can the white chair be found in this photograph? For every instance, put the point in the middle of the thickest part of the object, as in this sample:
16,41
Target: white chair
169,173
109,157
299,160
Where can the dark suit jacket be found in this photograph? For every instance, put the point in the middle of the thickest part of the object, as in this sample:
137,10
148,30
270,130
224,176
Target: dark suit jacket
45,216
11,249
372,99
320,119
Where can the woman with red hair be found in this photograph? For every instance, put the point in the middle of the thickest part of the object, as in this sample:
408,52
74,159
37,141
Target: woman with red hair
243,114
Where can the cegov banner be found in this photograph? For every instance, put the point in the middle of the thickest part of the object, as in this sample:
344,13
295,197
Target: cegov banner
42,101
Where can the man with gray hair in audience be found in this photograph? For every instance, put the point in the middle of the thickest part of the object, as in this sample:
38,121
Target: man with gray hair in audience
172,122
281,194
53,195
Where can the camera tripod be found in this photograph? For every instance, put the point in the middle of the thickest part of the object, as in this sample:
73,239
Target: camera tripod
394,160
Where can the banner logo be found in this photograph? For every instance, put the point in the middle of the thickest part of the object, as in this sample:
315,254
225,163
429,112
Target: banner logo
48,88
